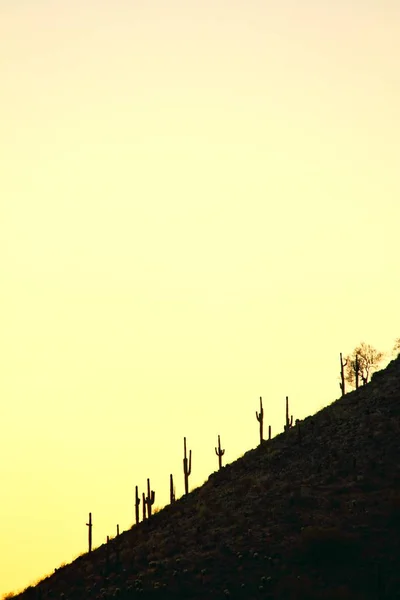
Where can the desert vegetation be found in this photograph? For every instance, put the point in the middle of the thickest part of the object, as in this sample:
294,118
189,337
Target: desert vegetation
313,513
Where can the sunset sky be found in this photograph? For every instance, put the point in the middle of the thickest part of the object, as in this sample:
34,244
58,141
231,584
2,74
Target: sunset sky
199,205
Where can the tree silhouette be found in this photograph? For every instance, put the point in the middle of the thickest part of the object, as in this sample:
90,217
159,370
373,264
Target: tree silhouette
361,363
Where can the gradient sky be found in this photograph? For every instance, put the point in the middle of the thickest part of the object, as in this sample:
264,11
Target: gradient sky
199,205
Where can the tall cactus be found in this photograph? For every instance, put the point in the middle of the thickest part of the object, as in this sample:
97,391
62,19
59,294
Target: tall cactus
357,370
342,379
137,504
289,422
219,452
260,419
269,432
144,514
172,496
90,525
187,466
149,498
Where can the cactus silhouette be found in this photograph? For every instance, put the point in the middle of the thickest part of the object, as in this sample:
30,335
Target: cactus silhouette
357,370
260,419
171,489
187,466
90,525
342,383
219,452
137,504
289,422
149,500
144,515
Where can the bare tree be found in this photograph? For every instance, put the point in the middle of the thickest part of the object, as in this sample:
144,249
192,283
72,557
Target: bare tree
361,363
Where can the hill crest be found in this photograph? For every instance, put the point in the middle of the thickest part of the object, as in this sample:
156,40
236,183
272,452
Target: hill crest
311,513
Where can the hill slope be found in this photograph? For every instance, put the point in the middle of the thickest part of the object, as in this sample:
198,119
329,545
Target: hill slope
314,514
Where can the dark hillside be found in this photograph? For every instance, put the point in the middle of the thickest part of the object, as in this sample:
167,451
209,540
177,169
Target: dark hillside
312,514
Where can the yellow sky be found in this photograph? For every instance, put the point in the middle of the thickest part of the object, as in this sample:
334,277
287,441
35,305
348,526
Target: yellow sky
199,205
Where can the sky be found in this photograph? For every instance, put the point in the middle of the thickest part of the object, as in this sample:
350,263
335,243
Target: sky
199,206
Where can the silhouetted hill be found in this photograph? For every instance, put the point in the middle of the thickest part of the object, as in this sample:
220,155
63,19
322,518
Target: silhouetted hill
314,515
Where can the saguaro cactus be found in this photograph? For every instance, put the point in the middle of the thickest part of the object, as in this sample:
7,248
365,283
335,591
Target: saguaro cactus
219,452
357,370
144,515
187,466
269,432
171,489
289,422
149,498
137,504
342,379
90,525
260,419
117,530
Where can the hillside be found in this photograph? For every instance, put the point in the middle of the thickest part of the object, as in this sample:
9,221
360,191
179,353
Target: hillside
309,515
